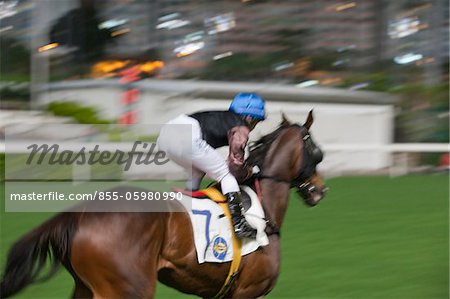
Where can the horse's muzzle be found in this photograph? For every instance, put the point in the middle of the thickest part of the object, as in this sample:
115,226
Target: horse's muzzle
311,194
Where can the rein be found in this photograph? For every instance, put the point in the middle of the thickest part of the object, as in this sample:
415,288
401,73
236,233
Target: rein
274,229
273,178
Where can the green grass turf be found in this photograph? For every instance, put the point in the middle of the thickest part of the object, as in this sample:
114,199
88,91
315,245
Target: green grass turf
371,237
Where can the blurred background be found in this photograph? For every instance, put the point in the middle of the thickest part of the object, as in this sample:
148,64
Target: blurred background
376,73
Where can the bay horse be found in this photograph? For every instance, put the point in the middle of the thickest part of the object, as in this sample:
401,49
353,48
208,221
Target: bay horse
122,255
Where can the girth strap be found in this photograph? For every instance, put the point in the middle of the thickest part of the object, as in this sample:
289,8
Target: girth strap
237,243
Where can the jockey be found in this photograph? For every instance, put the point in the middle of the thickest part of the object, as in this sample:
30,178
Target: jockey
211,130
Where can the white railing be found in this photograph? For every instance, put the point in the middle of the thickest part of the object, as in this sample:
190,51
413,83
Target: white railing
337,161
393,159
20,147
391,148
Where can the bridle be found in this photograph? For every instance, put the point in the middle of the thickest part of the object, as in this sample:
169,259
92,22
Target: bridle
312,151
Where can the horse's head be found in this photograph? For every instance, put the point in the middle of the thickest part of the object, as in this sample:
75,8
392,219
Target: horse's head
308,182
290,155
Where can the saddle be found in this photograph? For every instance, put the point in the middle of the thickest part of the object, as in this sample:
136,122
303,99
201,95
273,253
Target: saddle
218,198
207,209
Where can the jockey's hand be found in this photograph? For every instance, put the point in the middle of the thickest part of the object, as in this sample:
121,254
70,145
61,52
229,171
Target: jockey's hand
252,174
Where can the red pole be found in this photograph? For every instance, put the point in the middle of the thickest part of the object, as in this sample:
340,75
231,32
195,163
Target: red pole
130,95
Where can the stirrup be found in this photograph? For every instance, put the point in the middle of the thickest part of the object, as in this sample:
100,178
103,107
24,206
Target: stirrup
244,230
240,225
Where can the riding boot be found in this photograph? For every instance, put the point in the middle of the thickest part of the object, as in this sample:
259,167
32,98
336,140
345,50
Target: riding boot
241,227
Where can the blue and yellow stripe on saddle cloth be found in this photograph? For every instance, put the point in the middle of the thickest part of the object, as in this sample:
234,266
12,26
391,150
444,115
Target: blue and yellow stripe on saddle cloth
219,198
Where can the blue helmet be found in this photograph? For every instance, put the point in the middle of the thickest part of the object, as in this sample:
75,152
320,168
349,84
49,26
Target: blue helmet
248,104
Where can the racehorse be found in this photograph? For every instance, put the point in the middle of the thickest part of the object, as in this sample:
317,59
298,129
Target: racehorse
122,255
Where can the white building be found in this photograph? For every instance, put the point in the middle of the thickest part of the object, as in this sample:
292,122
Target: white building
346,124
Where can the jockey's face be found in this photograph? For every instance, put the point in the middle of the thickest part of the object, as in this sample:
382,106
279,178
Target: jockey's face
252,122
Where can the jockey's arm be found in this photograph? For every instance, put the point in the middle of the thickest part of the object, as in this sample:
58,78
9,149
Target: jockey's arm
237,140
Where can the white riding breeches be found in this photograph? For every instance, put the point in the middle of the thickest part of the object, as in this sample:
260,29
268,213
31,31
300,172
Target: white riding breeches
195,153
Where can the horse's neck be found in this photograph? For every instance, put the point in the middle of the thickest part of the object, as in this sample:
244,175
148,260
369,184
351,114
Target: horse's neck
275,198
275,192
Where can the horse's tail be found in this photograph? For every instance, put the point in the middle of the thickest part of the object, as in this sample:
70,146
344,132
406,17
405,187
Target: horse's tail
27,257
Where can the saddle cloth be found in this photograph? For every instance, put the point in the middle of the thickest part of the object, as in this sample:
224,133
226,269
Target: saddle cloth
212,229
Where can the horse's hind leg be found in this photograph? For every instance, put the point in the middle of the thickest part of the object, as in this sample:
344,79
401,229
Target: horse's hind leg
112,275
116,254
111,281
127,289
81,291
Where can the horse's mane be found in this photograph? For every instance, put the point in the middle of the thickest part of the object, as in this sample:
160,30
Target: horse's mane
259,148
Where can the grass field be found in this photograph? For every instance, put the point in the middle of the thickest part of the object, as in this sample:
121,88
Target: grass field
371,237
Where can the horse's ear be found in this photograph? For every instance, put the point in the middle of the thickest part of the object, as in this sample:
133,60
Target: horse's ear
284,120
309,120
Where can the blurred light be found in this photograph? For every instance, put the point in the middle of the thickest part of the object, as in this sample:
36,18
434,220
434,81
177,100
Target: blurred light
151,66
223,55
173,24
6,28
8,8
48,47
107,68
407,58
111,68
220,23
404,27
345,6
444,115
359,86
112,23
307,83
192,37
343,49
168,17
191,43
188,49
120,32
282,66
341,62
